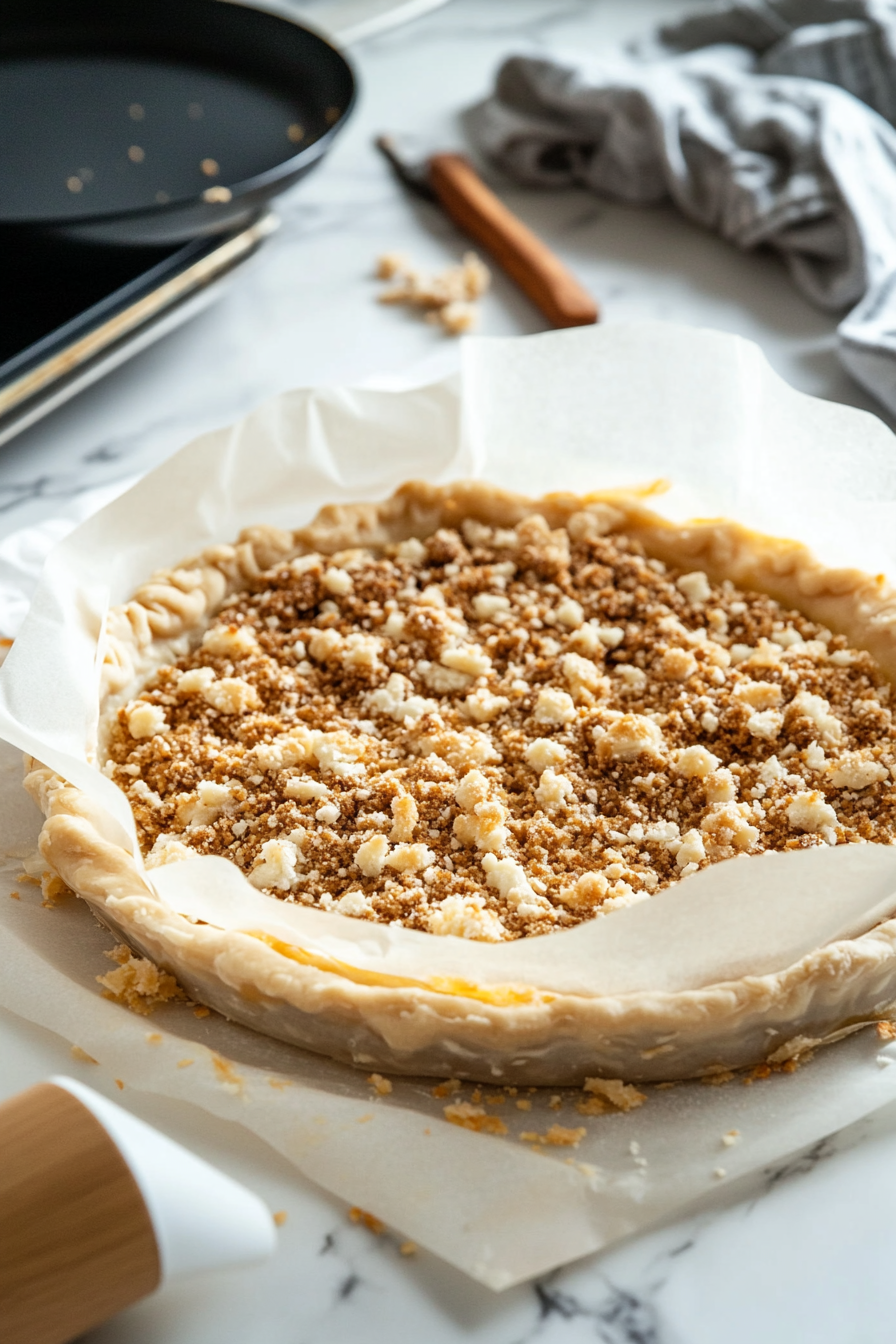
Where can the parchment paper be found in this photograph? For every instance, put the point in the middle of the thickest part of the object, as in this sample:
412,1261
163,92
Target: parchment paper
579,410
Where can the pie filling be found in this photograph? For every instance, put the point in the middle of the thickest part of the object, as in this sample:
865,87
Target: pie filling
496,733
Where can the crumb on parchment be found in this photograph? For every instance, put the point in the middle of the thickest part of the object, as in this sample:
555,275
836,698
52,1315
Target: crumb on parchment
380,1085
82,1055
138,984
468,1116
53,890
556,1137
608,1095
227,1076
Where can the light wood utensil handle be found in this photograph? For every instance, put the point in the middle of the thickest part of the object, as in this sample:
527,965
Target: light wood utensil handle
538,272
76,1240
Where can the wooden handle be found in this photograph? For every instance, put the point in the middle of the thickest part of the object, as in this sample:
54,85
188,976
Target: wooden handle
76,1240
516,249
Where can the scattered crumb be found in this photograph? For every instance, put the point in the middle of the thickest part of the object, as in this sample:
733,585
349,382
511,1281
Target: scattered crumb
380,1085
664,1087
595,1106
885,1030
511,1091
797,1062
455,318
119,1084
184,1063
760,1071
719,1173
26,877
476,1094
280,1217
556,1137
621,1096
14,896
731,1138
137,984
53,890
364,1119
447,296
201,1011
368,1220
408,1248
523,1105
153,1038
587,1169
474,1117
497,1100
279,1084
226,1074
78,1053
717,1079
448,1088
555,1103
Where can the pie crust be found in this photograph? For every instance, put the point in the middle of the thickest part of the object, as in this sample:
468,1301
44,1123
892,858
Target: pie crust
517,1034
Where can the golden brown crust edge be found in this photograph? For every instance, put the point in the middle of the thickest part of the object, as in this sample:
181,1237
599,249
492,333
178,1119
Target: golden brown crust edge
552,1039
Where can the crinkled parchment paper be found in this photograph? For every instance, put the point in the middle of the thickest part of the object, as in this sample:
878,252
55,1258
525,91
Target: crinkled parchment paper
578,410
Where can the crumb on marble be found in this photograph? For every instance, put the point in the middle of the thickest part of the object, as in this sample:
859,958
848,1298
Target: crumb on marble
448,297
368,1220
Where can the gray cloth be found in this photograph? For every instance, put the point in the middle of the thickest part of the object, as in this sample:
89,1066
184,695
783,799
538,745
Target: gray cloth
767,122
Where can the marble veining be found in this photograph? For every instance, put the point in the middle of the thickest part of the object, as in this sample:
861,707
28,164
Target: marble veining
800,1251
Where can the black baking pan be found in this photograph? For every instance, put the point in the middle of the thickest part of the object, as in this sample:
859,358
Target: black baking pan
151,122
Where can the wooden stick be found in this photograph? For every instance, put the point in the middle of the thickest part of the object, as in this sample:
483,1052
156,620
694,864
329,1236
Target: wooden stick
76,1240
526,259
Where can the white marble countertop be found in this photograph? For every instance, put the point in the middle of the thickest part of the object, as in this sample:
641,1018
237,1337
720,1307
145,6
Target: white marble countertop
804,1252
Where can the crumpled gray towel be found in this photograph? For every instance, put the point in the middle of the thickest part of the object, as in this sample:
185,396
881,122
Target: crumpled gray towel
758,120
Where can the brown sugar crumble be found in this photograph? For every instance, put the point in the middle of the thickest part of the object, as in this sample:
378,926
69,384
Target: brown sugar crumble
496,733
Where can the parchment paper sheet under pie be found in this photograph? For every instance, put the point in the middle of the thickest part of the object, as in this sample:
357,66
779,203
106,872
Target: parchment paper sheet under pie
574,410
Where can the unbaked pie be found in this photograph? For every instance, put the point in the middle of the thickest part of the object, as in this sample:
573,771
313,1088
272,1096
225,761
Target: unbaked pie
480,716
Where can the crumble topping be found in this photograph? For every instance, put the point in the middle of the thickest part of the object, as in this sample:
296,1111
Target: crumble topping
495,733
